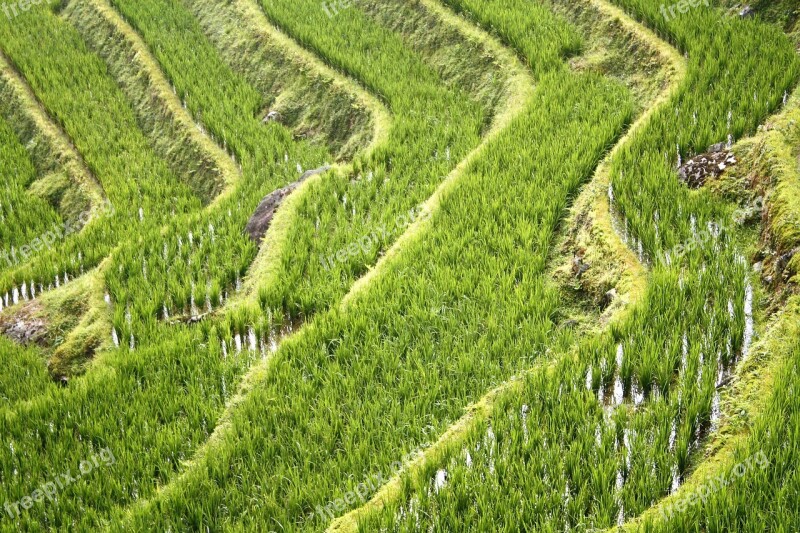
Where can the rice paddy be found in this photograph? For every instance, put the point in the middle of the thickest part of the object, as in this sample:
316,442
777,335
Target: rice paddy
420,265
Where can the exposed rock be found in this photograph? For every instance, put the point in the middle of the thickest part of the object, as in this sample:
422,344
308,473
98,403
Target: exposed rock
578,265
308,173
197,318
571,323
259,223
190,319
726,381
272,116
25,331
746,11
608,298
783,260
718,147
696,171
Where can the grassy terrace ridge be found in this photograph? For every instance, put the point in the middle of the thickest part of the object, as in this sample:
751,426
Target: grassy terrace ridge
151,178
500,285
772,156
519,88
592,442
55,175
252,26
189,271
207,169
48,184
169,426
24,215
652,70
589,226
324,347
436,123
328,197
316,101
461,55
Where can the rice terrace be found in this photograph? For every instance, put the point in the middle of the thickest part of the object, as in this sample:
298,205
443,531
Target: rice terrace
400,265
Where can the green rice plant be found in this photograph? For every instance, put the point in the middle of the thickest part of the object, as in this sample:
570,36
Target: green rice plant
435,127
93,119
172,136
749,487
315,107
705,295
27,376
598,436
143,376
329,394
244,132
23,216
53,174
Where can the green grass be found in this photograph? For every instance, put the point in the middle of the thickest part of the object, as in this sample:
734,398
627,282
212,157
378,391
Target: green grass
103,128
572,460
759,494
207,435
24,216
315,107
169,426
331,380
418,357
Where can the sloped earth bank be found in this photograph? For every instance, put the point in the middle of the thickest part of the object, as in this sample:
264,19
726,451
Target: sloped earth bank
604,432
589,232
378,362
421,341
173,380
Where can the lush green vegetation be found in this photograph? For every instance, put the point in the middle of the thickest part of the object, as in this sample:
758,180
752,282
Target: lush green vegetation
24,216
180,339
615,424
103,128
500,244
177,423
406,337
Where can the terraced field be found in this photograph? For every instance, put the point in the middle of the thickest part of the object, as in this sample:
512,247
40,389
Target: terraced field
402,265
